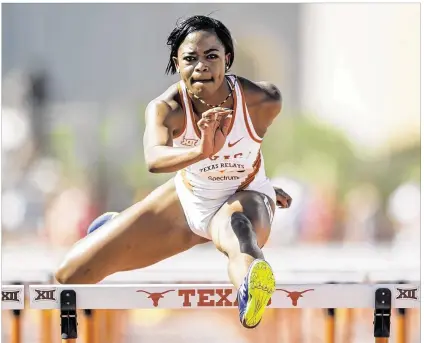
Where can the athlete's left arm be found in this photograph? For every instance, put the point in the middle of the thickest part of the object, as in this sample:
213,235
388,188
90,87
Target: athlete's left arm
271,103
270,109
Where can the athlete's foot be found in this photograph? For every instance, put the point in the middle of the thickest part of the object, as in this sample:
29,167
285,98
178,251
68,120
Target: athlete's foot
254,293
100,221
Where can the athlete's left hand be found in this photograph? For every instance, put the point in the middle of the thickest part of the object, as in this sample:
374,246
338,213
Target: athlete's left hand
283,199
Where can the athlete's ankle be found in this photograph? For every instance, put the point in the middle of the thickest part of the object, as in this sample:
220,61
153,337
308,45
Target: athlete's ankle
238,268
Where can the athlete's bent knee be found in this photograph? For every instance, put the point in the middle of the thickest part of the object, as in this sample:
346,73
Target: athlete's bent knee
246,231
243,229
63,276
66,275
73,270
241,226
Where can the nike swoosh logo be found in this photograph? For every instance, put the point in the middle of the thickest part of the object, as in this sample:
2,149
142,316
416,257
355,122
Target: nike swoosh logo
232,144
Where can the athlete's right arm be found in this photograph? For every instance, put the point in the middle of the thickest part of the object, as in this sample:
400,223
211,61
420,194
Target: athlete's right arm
160,155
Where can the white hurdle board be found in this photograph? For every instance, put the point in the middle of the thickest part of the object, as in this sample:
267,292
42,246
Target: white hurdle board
180,296
12,297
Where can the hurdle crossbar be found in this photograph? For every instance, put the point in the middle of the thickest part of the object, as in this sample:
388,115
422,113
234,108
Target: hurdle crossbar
12,297
180,296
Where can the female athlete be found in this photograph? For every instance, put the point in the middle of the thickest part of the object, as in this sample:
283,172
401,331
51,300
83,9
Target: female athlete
208,128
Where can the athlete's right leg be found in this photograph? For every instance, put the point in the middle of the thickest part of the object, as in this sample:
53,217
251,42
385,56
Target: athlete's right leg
144,234
240,229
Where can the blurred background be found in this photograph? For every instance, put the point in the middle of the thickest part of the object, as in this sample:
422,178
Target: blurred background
76,79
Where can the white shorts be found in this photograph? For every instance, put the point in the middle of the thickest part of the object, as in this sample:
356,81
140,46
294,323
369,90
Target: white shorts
199,211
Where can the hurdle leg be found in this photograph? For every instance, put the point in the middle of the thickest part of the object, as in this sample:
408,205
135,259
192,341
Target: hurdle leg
46,326
99,324
109,316
382,312
16,326
350,319
119,325
68,316
330,327
88,333
401,327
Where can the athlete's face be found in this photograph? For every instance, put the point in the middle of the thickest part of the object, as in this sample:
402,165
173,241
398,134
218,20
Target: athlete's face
201,62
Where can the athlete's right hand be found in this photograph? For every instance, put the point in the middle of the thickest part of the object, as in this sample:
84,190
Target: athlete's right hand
212,120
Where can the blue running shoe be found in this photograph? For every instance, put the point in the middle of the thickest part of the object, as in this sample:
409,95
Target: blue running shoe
100,221
254,293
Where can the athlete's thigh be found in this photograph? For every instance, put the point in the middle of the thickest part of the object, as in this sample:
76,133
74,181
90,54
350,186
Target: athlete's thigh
147,232
159,228
255,206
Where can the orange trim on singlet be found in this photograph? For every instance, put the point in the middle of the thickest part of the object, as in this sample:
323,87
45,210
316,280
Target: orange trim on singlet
185,180
193,117
249,129
233,119
184,110
250,178
256,166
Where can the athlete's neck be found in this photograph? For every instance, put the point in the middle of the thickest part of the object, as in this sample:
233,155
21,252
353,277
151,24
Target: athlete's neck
214,99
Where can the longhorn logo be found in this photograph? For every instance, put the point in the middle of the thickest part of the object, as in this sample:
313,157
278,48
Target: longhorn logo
155,296
294,296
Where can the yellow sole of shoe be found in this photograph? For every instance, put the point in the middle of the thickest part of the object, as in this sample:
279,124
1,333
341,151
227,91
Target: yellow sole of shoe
261,288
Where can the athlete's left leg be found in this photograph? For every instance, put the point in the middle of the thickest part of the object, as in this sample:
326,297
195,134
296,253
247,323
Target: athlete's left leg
240,229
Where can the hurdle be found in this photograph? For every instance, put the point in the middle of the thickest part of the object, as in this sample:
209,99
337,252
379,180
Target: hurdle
68,298
350,263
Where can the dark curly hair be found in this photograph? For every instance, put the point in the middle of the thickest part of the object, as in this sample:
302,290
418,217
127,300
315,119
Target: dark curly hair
198,23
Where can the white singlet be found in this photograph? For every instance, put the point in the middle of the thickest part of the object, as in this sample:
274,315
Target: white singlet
205,186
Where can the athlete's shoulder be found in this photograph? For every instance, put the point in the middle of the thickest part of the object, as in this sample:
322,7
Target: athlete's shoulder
166,107
260,91
167,103
264,101
168,100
